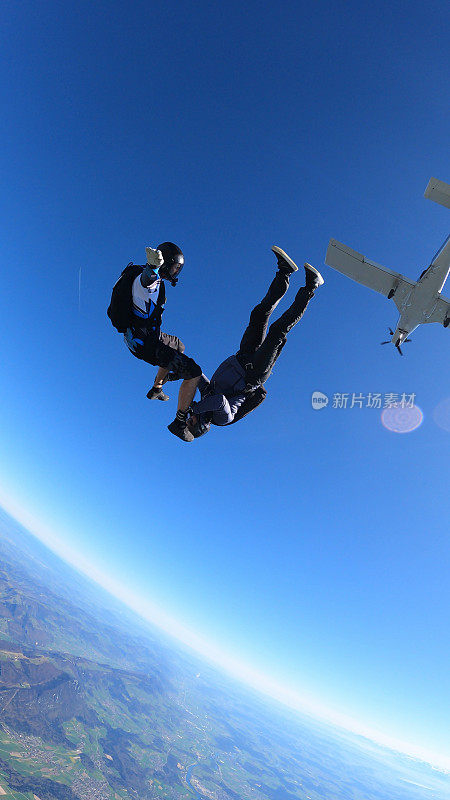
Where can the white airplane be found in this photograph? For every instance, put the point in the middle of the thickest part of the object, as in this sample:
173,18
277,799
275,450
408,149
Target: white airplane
417,301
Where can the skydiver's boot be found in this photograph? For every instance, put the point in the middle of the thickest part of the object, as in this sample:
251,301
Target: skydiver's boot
313,278
179,428
156,393
285,263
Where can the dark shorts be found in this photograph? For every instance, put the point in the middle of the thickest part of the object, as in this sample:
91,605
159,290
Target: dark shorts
167,351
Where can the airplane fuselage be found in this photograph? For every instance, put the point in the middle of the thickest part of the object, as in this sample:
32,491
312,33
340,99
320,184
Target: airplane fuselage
420,303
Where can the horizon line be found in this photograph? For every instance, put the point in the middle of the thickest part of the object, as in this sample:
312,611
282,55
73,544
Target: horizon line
244,672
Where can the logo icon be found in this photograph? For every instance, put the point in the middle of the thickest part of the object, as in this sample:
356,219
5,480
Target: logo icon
319,400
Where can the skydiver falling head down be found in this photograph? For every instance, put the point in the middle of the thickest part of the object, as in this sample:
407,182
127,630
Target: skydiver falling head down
237,386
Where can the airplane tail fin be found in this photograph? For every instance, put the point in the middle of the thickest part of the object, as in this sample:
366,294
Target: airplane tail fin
438,191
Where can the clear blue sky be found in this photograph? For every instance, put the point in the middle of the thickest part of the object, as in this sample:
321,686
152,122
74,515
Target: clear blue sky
313,545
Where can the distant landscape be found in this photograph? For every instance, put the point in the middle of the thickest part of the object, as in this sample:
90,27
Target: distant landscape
95,704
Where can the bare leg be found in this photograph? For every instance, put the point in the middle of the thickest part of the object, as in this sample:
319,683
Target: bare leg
185,397
186,393
159,378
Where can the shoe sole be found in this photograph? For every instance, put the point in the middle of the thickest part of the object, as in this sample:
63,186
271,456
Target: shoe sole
281,252
316,273
164,397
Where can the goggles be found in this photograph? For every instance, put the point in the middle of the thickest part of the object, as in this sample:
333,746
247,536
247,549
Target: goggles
172,268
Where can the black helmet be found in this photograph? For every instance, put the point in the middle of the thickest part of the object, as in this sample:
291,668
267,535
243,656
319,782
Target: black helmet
173,261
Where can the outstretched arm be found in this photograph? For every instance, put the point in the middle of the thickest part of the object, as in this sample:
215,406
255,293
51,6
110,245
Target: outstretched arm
151,269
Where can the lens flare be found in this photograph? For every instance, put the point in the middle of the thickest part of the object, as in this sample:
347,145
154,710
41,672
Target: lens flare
441,414
402,420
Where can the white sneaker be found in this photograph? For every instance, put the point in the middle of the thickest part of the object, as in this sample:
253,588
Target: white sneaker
313,276
285,263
